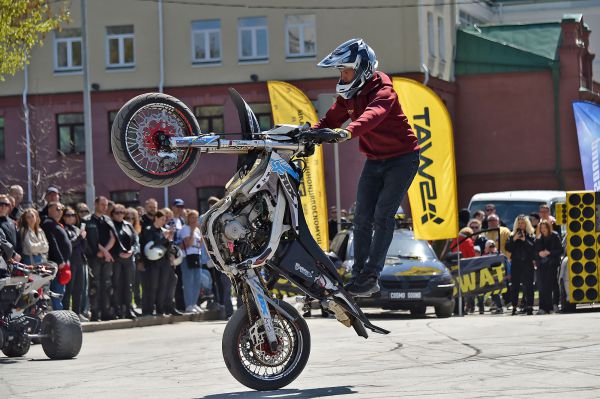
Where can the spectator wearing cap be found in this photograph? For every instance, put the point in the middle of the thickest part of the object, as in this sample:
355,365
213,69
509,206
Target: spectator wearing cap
16,192
52,195
178,221
100,240
59,250
74,291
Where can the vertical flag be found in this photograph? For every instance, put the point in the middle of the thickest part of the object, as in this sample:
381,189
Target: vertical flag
587,121
432,195
291,106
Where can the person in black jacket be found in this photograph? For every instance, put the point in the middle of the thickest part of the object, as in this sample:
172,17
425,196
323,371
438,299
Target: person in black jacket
548,250
521,246
75,289
59,247
100,240
157,272
124,266
7,225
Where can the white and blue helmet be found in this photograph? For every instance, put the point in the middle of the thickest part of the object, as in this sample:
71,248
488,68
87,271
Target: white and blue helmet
355,54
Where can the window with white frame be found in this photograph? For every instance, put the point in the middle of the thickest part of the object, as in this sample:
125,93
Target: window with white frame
253,39
67,50
206,41
431,35
441,39
301,36
120,47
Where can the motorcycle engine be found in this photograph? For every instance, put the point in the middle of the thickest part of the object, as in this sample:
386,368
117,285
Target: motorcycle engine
244,231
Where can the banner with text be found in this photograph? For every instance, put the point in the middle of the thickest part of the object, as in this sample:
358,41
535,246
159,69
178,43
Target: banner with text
432,195
587,120
480,275
291,106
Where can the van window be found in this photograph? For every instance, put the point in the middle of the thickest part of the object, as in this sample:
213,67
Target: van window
508,210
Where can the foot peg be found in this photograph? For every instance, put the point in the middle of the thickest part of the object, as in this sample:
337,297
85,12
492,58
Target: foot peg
339,313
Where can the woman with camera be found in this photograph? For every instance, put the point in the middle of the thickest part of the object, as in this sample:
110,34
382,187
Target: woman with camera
548,250
521,245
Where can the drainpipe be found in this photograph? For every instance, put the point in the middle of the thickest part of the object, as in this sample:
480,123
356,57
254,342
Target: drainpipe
161,81
555,67
27,133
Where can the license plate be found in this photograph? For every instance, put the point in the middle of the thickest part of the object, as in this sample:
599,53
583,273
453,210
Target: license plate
405,295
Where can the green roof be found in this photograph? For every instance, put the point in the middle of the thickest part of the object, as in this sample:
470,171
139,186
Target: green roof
507,48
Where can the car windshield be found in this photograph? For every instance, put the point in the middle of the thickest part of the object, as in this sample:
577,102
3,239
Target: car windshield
405,247
508,210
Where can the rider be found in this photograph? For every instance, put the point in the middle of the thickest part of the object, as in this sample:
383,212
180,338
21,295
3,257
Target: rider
367,97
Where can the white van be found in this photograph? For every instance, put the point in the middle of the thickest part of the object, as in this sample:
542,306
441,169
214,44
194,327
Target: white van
510,204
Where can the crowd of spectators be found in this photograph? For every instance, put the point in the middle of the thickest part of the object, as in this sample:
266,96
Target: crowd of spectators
533,250
116,262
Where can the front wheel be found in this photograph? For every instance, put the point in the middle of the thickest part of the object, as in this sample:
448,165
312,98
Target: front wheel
247,353
63,335
139,133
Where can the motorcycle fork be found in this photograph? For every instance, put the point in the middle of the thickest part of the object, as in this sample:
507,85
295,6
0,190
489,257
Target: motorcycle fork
262,301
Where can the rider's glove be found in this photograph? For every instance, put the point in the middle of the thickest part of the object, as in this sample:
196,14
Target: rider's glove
344,134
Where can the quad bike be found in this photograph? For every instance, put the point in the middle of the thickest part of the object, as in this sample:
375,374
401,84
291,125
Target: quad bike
24,296
255,234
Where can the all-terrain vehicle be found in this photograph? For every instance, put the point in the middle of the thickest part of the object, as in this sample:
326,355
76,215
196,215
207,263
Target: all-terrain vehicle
24,296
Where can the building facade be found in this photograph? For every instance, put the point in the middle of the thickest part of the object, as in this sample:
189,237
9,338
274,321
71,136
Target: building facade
206,50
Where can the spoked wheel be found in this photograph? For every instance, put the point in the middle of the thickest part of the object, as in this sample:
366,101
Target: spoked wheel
249,357
140,134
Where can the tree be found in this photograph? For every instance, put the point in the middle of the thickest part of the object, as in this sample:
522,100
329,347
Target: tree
23,24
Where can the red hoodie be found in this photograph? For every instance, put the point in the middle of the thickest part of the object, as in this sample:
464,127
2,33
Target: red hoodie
382,128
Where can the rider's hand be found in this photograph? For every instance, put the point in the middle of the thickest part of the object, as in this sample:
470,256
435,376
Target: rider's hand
344,134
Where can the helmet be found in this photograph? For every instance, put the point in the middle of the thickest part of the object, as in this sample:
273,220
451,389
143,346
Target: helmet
176,255
153,252
355,54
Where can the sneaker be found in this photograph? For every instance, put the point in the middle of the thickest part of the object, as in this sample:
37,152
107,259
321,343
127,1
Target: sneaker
498,311
555,308
365,285
198,309
191,309
541,311
82,318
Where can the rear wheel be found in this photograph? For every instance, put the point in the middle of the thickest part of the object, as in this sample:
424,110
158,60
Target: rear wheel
249,358
139,133
63,335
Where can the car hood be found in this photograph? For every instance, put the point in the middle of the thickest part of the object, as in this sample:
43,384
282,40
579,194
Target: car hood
412,268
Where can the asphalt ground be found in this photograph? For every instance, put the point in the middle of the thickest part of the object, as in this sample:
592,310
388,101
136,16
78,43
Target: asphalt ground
477,356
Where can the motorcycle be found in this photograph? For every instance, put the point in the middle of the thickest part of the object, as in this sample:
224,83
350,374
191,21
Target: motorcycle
256,234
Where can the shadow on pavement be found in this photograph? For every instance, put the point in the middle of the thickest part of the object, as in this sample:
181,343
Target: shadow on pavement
285,393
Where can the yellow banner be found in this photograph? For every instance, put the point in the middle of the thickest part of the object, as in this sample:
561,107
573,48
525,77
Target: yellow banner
291,106
432,194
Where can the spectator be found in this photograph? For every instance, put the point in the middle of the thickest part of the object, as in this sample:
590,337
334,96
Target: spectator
133,217
82,211
124,264
75,289
157,270
191,268
59,250
150,208
521,245
491,250
16,192
332,223
534,218
545,215
7,225
479,215
478,239
32,242
109,207
177,220
52,195
477,250
501,239
100,240
464,243
548,249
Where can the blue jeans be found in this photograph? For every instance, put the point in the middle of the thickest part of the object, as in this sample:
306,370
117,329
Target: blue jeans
57,288
194,279
381,188
32,259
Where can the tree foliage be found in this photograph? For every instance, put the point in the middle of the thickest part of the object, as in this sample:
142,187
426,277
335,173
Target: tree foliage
23,24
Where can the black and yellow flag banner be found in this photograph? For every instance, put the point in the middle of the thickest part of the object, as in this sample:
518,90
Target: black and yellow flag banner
480,275
432,194
291,106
